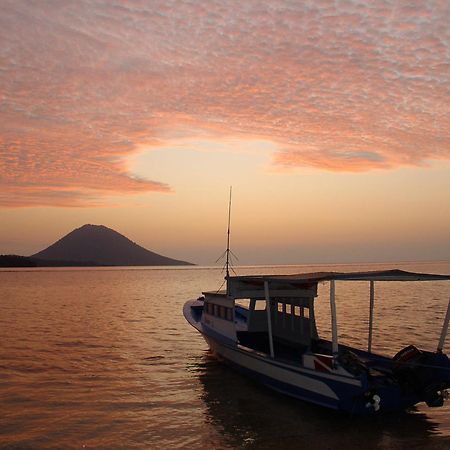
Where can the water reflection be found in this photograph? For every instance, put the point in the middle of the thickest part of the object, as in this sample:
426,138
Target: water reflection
250,416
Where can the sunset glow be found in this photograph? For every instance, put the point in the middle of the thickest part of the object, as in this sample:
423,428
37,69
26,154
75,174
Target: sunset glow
330,119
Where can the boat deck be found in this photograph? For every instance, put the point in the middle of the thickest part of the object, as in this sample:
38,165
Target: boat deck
292,353
260,342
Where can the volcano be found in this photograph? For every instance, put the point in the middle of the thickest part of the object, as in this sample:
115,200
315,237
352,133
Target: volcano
103,246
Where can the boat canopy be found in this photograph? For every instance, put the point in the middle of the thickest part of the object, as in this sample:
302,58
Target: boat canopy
303,288
296,284
315,277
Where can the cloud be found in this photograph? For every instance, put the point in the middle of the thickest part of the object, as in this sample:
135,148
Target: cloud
345,86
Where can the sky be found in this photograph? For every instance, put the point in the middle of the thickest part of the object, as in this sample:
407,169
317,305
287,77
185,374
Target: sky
330,119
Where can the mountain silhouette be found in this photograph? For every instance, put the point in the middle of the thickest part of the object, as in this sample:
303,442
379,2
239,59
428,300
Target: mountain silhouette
100,245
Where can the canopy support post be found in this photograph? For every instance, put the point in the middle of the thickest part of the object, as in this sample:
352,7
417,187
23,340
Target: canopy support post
444,329
372,304
269,320
334,334
251,310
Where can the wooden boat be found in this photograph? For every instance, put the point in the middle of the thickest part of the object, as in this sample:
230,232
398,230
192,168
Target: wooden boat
275,341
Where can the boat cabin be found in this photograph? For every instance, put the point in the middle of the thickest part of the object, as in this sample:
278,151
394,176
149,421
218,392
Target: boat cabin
277,320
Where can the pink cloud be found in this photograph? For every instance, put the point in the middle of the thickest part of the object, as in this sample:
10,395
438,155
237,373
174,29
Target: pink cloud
347,86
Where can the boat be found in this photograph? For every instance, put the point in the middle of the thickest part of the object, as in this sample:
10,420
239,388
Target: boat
272,337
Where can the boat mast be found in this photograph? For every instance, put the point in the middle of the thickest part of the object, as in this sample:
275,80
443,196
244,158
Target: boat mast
334,333
372,304
227,264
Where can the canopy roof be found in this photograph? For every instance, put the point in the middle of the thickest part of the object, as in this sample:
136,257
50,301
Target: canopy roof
315,277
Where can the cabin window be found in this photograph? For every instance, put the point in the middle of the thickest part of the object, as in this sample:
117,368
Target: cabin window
260,305
280,307
297,311
306,312
219,311
244,302
288,309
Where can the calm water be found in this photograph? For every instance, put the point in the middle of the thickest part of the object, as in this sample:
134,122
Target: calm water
104,359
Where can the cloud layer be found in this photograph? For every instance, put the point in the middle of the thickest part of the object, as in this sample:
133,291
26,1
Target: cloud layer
340,85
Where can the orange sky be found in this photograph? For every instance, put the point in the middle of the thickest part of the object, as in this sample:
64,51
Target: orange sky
330,119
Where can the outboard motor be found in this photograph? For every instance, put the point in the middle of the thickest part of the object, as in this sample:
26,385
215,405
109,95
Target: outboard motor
423,373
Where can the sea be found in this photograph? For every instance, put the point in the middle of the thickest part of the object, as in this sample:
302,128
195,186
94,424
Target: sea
103,358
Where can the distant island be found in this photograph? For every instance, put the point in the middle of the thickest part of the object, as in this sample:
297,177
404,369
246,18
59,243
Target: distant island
91,245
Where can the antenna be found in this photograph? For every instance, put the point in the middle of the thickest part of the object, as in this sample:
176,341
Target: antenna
227,264
228,252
